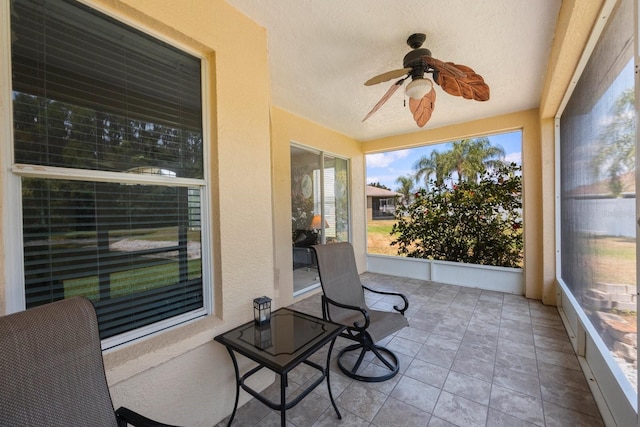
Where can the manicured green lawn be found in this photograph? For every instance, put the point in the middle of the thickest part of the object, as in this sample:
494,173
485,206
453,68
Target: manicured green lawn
132,281
379,238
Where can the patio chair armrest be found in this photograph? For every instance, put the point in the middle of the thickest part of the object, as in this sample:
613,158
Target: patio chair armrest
356,325
398,294
126,416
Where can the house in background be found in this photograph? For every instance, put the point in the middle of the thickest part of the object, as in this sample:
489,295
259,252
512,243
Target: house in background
381,203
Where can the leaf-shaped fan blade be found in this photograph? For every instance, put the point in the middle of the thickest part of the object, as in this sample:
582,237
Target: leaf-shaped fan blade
384,98
444,67
385,77
422,108
459,80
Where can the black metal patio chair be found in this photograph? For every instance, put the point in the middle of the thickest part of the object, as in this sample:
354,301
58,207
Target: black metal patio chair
343,301
52,371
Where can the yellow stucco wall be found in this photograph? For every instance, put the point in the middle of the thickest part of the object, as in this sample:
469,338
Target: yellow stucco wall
285,129
576,21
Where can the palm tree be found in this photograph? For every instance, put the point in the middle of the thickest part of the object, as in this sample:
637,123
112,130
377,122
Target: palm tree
432,165
617,154
469,157
406,186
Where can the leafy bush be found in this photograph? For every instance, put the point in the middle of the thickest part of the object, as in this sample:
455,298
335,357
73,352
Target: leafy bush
473,222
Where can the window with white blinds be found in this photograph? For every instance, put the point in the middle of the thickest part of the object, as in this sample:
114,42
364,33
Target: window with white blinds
111,119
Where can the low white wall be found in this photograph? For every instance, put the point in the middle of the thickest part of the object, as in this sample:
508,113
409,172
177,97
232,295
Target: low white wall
501,279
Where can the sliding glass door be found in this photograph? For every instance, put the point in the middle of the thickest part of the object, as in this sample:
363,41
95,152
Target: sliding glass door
319,209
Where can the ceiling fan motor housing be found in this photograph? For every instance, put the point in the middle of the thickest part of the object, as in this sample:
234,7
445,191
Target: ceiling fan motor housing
413,60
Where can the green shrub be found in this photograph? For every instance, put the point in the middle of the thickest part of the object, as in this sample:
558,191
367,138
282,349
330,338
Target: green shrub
473,222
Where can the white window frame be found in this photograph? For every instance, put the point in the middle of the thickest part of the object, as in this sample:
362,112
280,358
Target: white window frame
12,287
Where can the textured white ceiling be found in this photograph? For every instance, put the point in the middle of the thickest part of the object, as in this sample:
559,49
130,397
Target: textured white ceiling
322,51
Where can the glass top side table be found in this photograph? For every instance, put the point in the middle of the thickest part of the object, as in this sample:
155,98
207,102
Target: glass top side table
290,339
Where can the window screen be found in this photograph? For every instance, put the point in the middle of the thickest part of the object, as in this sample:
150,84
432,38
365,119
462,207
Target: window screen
598,192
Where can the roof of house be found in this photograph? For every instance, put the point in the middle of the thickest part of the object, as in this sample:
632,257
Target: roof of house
602,188
380,192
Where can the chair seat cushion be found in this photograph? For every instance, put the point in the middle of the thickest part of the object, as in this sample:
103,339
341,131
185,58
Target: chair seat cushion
385,323
382,323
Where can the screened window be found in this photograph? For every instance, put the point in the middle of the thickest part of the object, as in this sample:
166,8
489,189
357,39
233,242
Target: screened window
598,192
476,229
108,145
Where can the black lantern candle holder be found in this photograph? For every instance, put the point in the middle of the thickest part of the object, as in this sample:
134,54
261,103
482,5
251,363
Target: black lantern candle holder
262,311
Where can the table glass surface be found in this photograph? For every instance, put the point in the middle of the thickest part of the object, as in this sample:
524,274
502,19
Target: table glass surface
289,335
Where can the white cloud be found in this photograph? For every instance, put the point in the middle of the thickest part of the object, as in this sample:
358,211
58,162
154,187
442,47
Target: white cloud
379,160
382,160
514,157
401,154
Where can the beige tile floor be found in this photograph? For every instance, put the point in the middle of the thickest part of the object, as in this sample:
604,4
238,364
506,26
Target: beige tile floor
469,358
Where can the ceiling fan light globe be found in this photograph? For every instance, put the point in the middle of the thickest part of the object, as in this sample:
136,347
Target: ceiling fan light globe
418,88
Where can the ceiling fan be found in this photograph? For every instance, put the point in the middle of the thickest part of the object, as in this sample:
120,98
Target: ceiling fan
455,79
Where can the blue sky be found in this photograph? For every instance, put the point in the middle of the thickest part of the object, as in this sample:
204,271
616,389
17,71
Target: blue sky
386,167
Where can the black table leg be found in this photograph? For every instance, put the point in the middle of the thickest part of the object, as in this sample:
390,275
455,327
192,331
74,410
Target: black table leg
321,332
235,366
283,400
328,382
